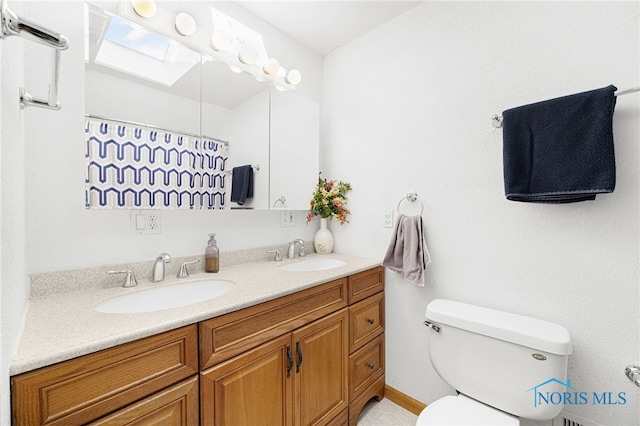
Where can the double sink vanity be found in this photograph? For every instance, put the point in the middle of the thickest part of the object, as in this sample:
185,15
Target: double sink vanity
294,342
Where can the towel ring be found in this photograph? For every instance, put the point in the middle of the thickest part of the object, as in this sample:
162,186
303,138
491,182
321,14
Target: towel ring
412,197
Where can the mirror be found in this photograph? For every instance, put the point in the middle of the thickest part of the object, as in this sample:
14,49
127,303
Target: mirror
275,132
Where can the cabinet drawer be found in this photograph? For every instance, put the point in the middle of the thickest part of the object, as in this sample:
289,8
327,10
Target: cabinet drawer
365,284
84,389
176,406
365,366
228,335
366,321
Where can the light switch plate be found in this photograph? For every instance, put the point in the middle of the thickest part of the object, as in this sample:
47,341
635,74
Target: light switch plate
287,218
387,219
145,222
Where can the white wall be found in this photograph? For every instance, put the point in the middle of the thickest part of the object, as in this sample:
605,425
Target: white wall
45,226
13,289
407,107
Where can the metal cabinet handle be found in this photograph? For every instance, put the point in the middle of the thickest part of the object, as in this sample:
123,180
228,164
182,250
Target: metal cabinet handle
371,366
371,321
290,360
299,352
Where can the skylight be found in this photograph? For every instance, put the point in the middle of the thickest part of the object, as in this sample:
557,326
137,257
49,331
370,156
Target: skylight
134,50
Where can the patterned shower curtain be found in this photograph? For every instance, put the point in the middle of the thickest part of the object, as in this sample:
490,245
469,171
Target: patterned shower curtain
135,167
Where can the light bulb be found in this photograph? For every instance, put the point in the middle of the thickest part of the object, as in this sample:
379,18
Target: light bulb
235,69
219,40
271,66
185,24
247,55
293,77
144,8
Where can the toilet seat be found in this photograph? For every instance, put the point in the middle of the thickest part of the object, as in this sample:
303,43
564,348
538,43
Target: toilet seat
462,410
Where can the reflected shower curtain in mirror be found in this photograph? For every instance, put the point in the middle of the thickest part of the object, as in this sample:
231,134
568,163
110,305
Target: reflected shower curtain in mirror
130,166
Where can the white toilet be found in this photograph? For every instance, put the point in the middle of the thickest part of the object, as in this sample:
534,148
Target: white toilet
495,361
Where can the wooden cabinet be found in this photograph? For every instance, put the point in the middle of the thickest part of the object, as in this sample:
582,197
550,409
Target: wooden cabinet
314,357
299,378
366,339
84,389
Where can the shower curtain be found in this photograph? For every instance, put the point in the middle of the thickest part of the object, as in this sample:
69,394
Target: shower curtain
131,166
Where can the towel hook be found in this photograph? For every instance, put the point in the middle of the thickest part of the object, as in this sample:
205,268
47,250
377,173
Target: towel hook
412,197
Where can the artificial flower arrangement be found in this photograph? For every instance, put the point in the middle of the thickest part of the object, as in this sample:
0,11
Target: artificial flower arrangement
329,200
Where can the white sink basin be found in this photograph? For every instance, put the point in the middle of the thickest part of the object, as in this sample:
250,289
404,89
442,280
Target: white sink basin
310,265
165,297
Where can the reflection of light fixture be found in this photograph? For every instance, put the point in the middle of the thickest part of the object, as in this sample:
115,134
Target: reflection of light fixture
247,55
271,66
293,77
144,8
219,40
185,24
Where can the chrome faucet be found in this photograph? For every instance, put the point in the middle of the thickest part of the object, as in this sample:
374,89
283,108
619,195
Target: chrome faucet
184,272
291,252
158,267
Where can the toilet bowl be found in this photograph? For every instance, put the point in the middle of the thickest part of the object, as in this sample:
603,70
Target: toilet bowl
493,359
462,410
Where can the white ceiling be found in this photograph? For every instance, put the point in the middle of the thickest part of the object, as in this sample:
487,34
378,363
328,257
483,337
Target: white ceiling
325,25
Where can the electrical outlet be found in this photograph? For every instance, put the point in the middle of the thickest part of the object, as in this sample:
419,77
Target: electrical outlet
287,218
145,222
387,219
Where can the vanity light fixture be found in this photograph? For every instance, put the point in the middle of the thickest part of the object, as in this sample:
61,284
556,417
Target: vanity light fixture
144,8
235,69
271,66
219,41
247,55
293,77
185,24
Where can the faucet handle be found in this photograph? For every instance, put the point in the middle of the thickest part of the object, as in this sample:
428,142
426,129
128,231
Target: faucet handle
184,272
129,280
278,257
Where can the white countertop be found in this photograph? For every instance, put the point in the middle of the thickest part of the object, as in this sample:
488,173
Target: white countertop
59,327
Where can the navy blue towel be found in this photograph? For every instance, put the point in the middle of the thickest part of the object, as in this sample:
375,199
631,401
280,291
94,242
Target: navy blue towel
560,150
241,184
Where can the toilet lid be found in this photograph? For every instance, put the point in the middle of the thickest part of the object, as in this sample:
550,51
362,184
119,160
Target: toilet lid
462,410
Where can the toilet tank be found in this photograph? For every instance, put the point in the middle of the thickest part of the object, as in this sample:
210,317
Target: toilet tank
500,359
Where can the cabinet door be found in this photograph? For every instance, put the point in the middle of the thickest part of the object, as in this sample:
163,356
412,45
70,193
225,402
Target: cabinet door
251,389
176,406
321,356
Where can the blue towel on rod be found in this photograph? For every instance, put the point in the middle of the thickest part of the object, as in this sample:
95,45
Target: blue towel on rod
560,150
241,184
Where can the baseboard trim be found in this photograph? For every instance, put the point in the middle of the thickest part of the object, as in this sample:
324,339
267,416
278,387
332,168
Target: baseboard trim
403,400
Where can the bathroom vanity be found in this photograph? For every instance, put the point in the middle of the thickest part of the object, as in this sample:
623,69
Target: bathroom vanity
314,354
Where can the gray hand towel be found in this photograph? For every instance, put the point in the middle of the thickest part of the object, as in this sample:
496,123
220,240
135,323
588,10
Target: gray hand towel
407,253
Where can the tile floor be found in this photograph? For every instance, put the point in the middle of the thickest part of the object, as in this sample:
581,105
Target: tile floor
385,413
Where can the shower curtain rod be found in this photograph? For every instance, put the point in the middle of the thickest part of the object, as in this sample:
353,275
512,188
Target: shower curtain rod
155,127
496,120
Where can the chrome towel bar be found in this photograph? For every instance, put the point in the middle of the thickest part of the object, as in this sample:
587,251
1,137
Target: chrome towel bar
13,25
496,120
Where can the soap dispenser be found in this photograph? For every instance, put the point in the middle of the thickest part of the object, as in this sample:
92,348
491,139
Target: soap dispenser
212,255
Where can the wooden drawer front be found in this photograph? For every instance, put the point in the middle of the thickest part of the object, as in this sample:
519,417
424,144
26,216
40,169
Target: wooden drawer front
231,334
177,406
365,366
366,321
84,389
364,284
